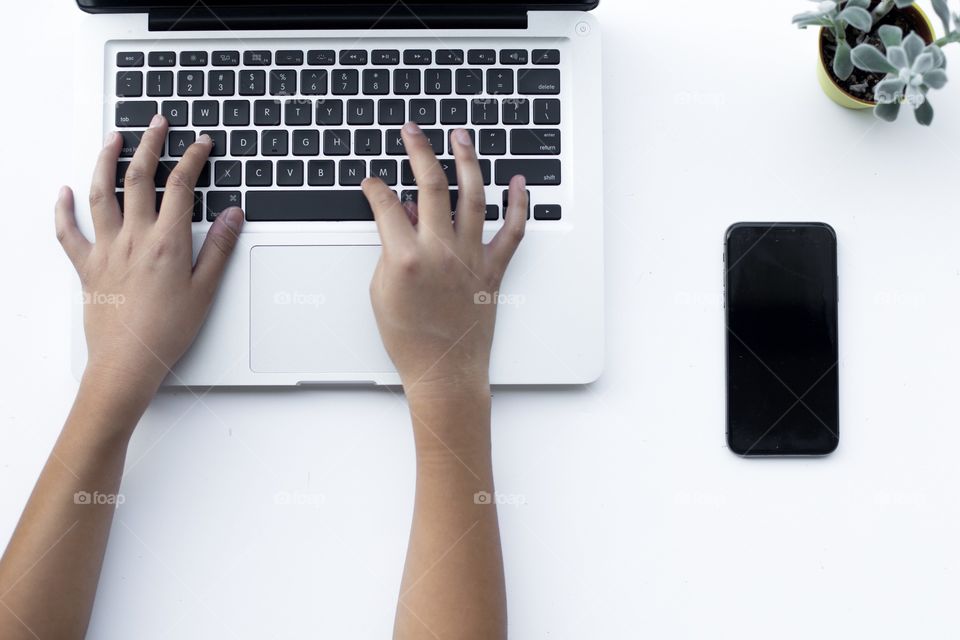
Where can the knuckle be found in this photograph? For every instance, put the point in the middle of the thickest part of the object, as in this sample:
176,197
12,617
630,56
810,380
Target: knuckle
181,179
97,196
135,176
435,181
407,261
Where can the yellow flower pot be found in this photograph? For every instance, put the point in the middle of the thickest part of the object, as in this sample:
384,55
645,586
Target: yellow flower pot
840,95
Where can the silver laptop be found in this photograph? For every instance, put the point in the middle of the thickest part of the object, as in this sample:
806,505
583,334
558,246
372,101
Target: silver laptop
306,99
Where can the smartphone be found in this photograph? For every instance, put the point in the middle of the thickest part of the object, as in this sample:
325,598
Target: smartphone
782,352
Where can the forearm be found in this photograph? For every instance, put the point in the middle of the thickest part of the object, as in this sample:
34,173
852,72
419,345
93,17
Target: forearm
453,582
49,572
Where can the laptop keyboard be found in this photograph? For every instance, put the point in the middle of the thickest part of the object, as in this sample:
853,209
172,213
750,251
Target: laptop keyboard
296,131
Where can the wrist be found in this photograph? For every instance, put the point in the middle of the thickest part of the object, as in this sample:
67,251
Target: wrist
451,424
112,400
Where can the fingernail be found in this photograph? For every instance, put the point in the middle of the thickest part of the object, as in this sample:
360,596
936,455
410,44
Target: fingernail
64,190
523,182
109,139
204,139
156,121
233,218
464,138
412,128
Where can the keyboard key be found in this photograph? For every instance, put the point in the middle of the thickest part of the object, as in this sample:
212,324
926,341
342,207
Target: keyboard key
493,213
289,58
423,111
499,81
394,143
376,82
221,83
473,140
546,56
513,56
484,111
546,111
352,172
135,114
538,81
175,111
386,170
273,142
329,112
546,212
129,84
386,56
535,142
493,142
253,82
306,142
162,58
438,81
516,111
189,83
219,201
227,173
321,57
537,172
417,57
449,169
346,82
360,112
391,112
304,205
290,173
450,56
266,113
225,58
353,57
131,140
219,140
482,56
259,173
121,175
193,58
368,142
313,82
453,112
206,113
435,138
336,142
257,58
506,199
160,83
283,82
406,81
236,113
469,82
130,59
298,112
320,173
243,143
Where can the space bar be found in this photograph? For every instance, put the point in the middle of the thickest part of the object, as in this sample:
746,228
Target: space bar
295,206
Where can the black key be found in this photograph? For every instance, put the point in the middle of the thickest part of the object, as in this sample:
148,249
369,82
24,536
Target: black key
320,173
290,173
353,57
289,58
386,170
135,114
546,212
417,57
121,176
473,140
129,84
449,169
164,169
345,82
130,59
225,58
190,83
131,140
394,143
179,141
298,112
367,142
196,214
482,56
359,111
303,205
266,113
537,172
283,82
506,198
406,81
321,57
273,142
499,81
161,58
352,172
221,83
516,111
259,173
219,139
493,212
485,111
257,58
412,195
438,81
206,113
175,111
160,83
253,82
336,142
435,138
193,58
513,56
219,201
546,111
546,56
450,56
236,113
391,112
330,112
423,111
385,56
376,82
493,142
538,81
227,173
243,143
535,142
453,112
469,82
306,142
313,82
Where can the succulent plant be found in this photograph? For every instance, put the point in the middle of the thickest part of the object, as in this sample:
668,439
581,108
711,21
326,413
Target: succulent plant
836,16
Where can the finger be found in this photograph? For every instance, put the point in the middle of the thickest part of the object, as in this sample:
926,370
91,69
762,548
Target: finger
104,208
434,190
413,213
139,191
75,245
176,209
393,222
505,243
471,201
217,248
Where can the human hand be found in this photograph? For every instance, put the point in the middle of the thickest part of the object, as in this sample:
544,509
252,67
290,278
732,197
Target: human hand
144,298
434,290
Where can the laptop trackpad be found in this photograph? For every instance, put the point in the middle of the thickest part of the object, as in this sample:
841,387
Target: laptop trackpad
310,311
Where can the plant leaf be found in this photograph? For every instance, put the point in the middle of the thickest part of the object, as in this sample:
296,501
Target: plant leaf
923,64
889,90
865,4
887,111
914,46
924,113
842,63
903,4
858,18
935,79
898,57
891,35
943,12
869,58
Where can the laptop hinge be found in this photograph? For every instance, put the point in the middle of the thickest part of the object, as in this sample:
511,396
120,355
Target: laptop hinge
399,16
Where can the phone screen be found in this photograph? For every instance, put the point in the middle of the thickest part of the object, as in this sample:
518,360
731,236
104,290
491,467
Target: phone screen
781,314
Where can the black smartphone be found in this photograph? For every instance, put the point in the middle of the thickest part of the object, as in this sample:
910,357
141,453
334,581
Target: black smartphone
782,353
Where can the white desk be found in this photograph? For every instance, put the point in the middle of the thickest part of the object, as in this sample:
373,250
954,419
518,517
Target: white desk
637,521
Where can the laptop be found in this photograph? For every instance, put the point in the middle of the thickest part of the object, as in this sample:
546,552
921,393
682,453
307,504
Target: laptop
306,98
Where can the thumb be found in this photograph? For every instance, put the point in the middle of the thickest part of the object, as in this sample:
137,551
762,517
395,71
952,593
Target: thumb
217,247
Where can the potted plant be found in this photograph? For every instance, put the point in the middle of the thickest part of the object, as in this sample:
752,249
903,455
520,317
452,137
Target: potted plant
881,54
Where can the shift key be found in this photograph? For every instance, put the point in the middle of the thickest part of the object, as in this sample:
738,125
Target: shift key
537,172
136,113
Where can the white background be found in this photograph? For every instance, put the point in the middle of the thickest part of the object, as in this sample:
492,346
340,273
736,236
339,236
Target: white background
636,520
